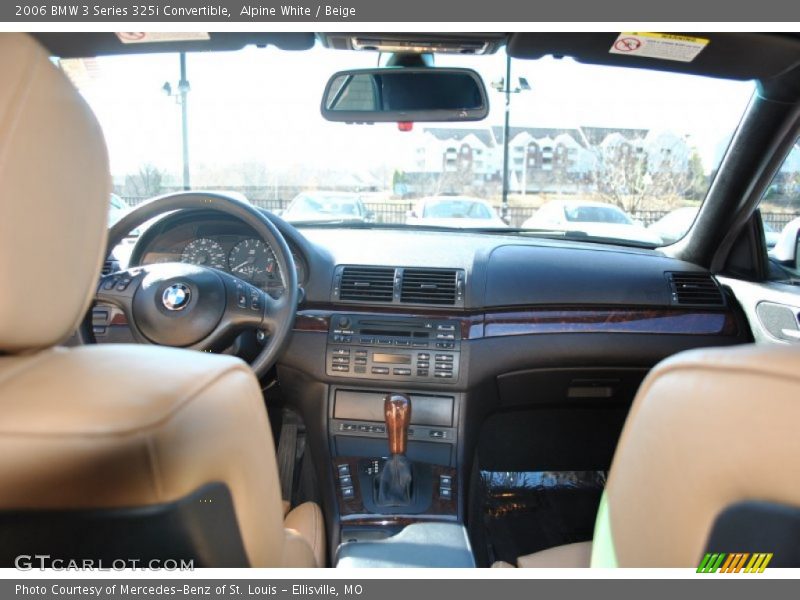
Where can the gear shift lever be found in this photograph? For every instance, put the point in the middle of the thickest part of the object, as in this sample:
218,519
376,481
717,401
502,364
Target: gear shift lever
397,412
394,483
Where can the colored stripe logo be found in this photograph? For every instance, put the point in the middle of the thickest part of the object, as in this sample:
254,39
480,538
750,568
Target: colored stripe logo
737,562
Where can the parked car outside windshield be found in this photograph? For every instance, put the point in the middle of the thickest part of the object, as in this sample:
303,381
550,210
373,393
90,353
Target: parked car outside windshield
326,206
673,226
455,211
594,219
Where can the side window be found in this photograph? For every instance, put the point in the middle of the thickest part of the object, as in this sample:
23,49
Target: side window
780,213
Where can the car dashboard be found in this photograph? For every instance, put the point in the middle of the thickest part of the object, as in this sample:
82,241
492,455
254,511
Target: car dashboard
506,345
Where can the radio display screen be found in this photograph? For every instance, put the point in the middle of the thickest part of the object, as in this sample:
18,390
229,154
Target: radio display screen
397,359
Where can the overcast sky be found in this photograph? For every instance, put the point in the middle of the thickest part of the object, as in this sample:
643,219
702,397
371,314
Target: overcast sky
262,105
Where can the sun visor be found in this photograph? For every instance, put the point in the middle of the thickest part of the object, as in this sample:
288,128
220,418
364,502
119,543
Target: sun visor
84,45
726,55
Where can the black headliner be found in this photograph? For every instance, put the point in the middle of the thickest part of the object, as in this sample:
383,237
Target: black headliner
761,56
728,55
87,44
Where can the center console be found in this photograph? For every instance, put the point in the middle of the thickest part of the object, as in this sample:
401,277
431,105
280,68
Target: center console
394,449
395,511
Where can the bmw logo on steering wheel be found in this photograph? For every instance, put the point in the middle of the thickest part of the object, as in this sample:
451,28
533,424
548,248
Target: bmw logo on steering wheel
176,296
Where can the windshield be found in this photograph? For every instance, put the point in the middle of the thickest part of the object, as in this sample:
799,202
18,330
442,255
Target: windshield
626,147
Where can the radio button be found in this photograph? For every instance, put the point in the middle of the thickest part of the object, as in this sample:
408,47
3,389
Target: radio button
444,374
420,344
445,327
380,370
402,371
341,351
445,336
361,353
423,356
360,369
341,368
361,361
444,357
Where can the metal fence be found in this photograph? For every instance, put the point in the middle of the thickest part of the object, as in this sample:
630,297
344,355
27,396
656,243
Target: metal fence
396,212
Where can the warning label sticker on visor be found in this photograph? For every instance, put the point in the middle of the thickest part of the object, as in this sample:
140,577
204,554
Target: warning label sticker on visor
665,46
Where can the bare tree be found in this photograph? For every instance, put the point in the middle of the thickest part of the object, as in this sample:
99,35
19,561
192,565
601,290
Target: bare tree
146,183
631,178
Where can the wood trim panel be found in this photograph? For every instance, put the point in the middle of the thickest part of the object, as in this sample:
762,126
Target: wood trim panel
311,320
604,320
530,321
543,320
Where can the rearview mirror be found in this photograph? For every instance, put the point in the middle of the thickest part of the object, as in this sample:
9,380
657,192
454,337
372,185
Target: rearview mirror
398,94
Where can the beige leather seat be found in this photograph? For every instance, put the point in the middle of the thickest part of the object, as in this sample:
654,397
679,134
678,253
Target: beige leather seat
106,428
709,429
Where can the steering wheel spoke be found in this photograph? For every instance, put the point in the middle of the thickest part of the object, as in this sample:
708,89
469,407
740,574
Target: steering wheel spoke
246,304
274,313
119,289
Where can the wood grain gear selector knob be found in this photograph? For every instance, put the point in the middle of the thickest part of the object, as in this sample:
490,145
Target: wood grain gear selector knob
397,412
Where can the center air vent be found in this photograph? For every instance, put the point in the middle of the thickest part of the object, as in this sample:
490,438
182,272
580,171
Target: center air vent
367,284
430,286
695,289
399,285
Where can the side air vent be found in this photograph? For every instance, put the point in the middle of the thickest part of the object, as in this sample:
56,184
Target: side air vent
366,284
430,286
109,266
695,289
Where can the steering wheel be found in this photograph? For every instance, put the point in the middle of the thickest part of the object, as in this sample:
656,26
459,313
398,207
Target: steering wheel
196,307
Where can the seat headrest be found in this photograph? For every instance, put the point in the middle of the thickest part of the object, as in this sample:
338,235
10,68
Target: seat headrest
54,196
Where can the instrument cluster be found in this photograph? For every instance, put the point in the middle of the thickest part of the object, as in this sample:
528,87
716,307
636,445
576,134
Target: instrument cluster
240,254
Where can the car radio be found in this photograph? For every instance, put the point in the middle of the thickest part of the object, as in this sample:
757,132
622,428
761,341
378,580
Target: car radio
393,348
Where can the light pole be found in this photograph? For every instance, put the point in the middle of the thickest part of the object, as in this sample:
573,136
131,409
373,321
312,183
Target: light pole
504,85
181,98
525,170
